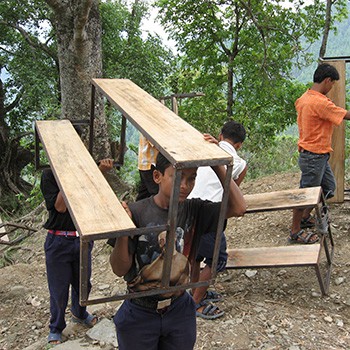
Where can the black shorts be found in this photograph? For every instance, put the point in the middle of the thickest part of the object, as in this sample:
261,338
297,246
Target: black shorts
206,250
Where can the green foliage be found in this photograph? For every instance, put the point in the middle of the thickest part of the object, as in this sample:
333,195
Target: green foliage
28,55
250,46
128,54
279,156
240,55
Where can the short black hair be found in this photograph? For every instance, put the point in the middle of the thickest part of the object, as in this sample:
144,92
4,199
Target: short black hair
162,163
324,71
78,129
233,131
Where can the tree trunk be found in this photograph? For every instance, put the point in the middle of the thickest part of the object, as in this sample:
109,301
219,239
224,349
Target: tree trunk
78,28
229,89
326,29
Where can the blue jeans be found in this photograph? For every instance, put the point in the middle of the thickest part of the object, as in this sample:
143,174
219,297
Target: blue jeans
316,171
63,269
206,250
140,328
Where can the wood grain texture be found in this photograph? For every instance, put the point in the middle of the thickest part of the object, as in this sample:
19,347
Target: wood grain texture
301,255
92,203
337,160
182,144
281,200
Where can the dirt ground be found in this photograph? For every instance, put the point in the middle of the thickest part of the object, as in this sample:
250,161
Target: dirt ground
264,309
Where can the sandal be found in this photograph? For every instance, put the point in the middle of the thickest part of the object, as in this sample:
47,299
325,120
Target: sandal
209,312
212,297
54,339
302,237
308,222
89,321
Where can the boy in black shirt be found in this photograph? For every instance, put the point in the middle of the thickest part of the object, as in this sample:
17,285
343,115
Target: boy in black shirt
62,253
165,321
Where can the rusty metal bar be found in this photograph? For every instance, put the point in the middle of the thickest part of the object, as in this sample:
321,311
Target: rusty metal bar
144,293
336,58
122,145
222,217
92,119
170,237
186,95
84,276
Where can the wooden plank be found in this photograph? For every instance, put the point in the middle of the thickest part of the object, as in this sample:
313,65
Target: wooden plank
281,200
301,255
92,203
337,160
182,144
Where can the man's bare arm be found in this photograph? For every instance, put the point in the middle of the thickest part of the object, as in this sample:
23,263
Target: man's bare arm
120,258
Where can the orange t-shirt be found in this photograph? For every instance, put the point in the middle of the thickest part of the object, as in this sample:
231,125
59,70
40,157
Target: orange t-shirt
317,115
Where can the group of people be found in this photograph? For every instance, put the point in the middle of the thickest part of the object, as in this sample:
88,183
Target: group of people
168,321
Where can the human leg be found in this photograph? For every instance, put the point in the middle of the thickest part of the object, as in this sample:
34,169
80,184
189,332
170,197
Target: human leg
313,169
179,325
328,182
199,294
58,268
141,328
79,312
137,327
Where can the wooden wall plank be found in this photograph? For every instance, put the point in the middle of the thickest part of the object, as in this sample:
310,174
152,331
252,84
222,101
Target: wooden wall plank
337,160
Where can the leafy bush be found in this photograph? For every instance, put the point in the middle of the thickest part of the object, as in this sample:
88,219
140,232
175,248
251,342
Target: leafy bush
280,156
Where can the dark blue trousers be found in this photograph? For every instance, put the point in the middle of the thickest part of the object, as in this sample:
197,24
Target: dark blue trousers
63,268
145,329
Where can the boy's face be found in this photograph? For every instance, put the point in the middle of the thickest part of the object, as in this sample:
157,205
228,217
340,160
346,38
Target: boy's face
165,181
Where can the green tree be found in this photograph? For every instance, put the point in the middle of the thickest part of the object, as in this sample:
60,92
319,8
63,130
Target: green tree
77,27
128,53
49,51
28,88
240,54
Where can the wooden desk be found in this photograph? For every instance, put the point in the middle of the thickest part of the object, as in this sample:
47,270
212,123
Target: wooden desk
291,255
92,204
177,140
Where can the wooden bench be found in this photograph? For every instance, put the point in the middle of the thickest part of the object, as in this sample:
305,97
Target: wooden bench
292,255
94,208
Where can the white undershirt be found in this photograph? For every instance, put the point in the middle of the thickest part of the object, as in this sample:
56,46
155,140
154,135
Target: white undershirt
208,185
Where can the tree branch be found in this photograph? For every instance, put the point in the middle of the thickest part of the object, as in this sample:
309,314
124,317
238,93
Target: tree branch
258,27
56,5
35,44
82,17
15,102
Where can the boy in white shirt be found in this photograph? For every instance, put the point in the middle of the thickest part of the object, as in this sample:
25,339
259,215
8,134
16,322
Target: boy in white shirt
208,187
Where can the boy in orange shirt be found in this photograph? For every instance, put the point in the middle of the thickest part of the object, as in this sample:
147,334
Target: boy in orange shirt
317,115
